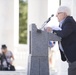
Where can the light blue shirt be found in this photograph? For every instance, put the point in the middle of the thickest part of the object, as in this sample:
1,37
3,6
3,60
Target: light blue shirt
60,24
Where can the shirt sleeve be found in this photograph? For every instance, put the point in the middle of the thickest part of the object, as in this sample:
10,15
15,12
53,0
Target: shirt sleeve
11,54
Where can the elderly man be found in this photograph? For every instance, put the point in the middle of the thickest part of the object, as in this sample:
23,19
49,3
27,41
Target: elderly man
68,34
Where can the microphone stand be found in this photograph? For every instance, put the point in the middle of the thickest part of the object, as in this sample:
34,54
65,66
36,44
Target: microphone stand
43,25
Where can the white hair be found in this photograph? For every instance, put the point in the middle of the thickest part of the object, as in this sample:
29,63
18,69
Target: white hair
64,9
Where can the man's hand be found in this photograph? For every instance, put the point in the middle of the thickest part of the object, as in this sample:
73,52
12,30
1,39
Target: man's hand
48,29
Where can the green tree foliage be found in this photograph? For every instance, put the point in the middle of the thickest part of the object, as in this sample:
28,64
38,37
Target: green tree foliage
23,21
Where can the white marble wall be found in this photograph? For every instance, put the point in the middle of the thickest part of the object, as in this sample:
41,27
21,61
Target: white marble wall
7,23
74,9
37,11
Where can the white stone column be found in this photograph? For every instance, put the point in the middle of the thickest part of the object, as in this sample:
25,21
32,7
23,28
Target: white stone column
52,9
7,23
16,22
37,11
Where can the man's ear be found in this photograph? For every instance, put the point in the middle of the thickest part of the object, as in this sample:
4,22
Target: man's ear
65,14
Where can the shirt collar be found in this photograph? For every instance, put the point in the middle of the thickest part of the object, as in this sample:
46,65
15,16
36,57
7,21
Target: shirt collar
61,22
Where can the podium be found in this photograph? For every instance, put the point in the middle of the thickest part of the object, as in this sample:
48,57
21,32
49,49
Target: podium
38,57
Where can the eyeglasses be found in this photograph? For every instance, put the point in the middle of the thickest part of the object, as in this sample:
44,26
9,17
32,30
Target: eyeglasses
59,13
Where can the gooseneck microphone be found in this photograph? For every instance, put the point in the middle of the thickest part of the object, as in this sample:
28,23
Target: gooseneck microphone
49,18
46,21
43,25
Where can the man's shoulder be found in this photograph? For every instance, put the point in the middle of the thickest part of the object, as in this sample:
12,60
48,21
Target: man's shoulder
70,19
9,52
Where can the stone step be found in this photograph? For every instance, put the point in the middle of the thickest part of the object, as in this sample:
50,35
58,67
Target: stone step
13,73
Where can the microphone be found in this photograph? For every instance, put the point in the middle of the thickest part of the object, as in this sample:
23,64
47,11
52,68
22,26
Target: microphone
47,21
39,30
49,18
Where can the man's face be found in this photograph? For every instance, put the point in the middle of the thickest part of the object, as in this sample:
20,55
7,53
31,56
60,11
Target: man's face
4,50
61,16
